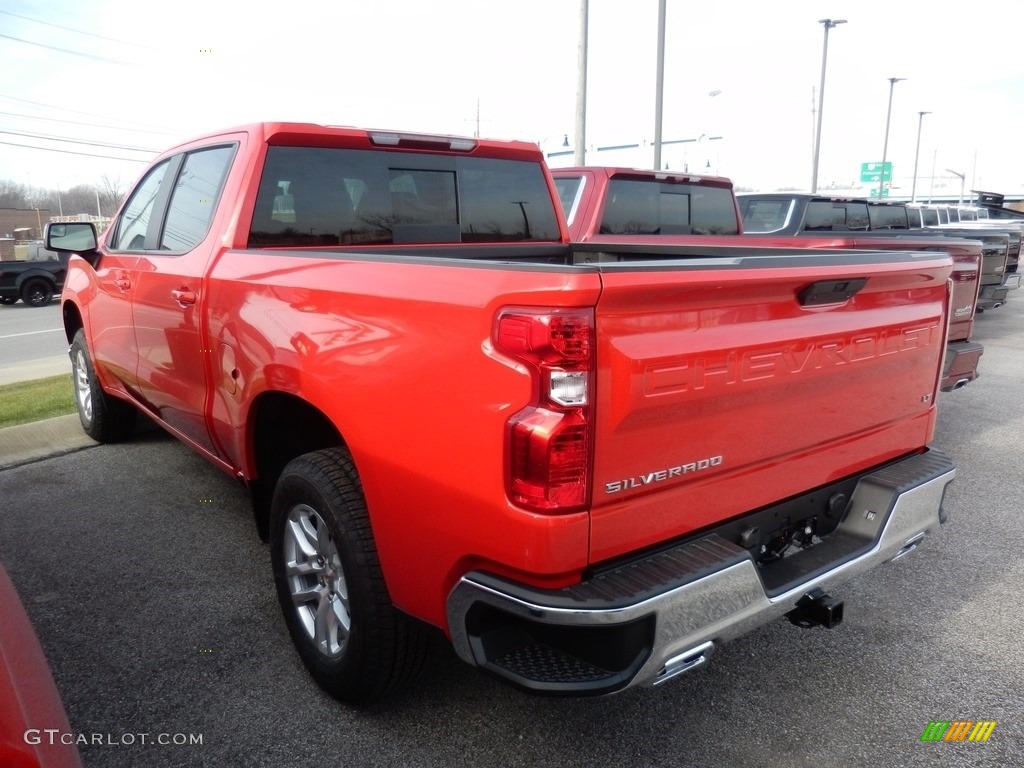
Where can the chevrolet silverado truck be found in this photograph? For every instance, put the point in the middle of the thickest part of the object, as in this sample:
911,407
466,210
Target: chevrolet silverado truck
586,471
603,203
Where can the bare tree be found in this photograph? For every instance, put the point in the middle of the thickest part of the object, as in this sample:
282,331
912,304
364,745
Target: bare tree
81,198
14,195
112,192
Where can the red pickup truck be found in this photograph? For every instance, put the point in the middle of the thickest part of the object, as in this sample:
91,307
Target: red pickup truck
603,203
586,473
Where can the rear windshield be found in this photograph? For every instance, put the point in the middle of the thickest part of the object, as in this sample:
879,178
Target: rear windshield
312,196
663,208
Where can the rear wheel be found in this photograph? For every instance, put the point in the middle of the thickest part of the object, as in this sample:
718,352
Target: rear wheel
8,300
104,418
37,293
354,642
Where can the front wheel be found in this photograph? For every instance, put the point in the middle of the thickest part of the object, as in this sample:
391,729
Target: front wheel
37,293
104,418
354,642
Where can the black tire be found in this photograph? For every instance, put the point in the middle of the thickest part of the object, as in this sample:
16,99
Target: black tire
104,418
8,300
381,648
37,292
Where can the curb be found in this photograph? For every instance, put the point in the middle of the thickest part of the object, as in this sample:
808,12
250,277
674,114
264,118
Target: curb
37,440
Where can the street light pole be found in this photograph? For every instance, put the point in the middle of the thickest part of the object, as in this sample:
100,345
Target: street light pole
829,23
580,135
885,145
917,154
659,93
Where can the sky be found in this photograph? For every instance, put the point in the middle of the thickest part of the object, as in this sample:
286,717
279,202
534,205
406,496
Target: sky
126,77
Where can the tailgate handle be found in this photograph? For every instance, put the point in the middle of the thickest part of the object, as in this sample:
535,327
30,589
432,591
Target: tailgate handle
830,291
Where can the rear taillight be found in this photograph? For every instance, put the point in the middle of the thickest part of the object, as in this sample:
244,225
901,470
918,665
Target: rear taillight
549,443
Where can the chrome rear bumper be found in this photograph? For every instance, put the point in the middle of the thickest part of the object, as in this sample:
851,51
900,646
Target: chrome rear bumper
651,619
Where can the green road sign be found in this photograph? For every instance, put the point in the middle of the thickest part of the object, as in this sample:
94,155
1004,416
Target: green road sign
874,192
876,172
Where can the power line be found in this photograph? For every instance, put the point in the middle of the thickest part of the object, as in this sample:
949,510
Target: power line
79,122
92,56
81,32
78,141
73,111
70,152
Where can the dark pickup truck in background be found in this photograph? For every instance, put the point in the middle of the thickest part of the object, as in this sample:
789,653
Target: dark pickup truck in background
35,281
804,214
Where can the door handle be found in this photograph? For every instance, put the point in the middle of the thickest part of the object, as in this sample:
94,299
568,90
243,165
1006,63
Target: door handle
123,283
184,296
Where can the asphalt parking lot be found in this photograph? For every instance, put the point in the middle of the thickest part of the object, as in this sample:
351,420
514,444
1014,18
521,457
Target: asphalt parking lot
153,600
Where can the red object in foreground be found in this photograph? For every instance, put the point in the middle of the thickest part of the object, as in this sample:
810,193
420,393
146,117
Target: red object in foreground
29,701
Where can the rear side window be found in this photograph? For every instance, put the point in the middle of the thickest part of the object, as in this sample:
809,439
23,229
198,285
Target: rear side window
929,217
569,188
655,208
319,196
194,198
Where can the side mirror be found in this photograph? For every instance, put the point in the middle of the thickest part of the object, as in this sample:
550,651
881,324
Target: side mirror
74,237
77,237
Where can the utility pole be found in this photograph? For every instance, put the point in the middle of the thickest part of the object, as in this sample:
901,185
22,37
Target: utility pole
829,24
917,154
885,145
580,150
659,93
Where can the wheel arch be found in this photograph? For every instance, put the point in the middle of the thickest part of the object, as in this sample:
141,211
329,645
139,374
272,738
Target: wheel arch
73,321
282,427
36,274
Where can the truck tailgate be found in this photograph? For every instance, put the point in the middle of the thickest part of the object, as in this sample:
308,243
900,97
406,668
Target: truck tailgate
733,381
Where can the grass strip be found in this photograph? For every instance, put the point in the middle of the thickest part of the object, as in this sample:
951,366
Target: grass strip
28,401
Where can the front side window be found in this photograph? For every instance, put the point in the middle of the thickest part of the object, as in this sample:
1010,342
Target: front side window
194,198
320,196
132,224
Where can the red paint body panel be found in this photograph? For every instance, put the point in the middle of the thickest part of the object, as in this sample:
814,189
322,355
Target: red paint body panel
776,398
393,345
402,366
29,701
